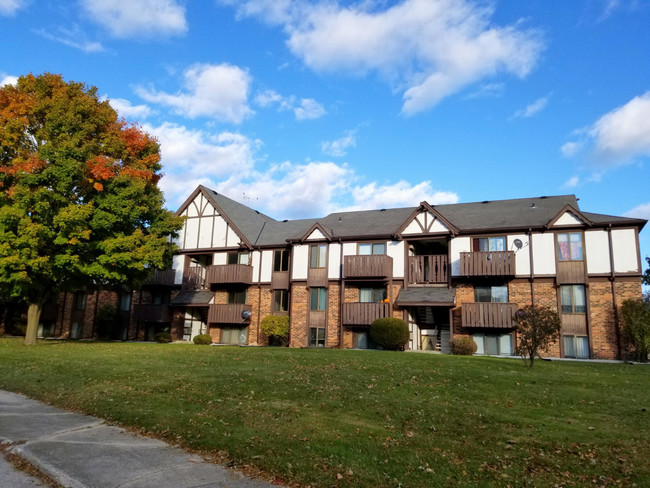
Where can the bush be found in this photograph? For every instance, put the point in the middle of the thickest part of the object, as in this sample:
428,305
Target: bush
106,322
390,333
163,337
276,327
463,346
203,339
636,327
537,327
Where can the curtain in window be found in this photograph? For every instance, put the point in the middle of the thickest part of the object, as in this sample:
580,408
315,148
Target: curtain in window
497,243
563,247
582,347
579,304
576,247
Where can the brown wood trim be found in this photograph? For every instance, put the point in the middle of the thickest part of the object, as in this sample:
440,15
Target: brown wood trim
488,314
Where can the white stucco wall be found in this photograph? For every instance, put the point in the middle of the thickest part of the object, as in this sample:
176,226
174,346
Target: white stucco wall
626,257
232,239
544,254
349,248
334,261
300,259
220,258
178,263
395,249
255,261
205,234
456,246
568,218
597,251
191,234
219,231
267,266
316,235
522,256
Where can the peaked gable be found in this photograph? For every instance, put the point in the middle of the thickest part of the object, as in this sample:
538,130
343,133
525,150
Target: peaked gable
316,233
426,220
569,217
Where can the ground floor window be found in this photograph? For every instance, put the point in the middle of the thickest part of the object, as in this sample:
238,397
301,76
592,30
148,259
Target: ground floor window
361,340
195,323
576,346
234,335
493,344
317,336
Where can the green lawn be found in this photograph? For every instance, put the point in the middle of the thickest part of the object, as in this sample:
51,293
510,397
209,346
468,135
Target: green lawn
359,418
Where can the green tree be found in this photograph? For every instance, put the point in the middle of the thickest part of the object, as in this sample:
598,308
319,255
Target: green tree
537,328
646,275
79,201
636,326
276,327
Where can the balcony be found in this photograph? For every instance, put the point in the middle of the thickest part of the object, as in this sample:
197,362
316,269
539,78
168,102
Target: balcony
227,313
364,313
229,274
488,315
427,270
487,263
280,280
368,266
152,313
164,277
194,278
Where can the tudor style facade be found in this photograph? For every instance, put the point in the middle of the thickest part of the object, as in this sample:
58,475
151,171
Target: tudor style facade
448,270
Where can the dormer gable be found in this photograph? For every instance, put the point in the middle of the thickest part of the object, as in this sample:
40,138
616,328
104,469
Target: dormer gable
426,220
316,233
569,216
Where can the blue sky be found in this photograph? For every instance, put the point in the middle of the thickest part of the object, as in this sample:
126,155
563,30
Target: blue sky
299,108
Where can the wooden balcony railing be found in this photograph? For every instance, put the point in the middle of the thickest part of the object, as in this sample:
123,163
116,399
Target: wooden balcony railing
428,269
152,313
494,315
229,273
364,313
162,277
487,263
317,277
368,266
227,313
571,272
194,278
280,280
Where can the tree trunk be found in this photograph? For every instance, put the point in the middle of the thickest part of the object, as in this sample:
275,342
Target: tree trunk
33,318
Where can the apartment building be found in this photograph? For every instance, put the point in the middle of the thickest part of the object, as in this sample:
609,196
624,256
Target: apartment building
448,270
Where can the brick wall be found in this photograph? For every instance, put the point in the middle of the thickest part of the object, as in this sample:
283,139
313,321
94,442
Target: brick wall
298,326
333,315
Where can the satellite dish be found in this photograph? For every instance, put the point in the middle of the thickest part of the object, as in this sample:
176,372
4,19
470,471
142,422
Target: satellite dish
246,314
518,244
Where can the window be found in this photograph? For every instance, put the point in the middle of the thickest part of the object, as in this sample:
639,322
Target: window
125,303
569,246
281,260
80,300
317,336
238,258
318,299
493,345
280,300
372,295
372,248
576,346
572,298
237,297
489,244
317,255
497,294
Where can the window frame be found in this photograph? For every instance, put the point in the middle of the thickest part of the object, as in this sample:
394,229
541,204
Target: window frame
234,297
573,305
238,255
574,338
281,260
374,291
492,294
476,243
80,298
568,235
316,339
320,304
283,302
372,248
318,264
484,337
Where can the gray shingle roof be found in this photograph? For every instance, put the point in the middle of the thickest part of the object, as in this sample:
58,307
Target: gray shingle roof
192,298
495,215
426,295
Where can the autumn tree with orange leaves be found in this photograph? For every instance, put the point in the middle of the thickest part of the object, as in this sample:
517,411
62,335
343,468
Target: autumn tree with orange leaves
79,201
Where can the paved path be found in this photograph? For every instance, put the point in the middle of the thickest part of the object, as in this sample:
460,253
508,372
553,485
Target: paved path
79,451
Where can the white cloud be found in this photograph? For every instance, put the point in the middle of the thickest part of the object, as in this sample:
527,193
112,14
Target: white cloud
639,212
428,49
73,37
338,147
8,80
195,155
216,91
309,109
400,194
129,111
533,108
572,182
138,18
570,149
10,7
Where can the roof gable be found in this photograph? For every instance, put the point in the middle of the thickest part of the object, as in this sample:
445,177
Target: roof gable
569,217
426,220
316,233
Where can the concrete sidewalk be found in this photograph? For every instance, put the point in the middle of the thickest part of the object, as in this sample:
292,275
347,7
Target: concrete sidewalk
79,451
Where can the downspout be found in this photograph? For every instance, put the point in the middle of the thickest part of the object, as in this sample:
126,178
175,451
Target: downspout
532,266
259,294
290,292
65,296
341,294
612,279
